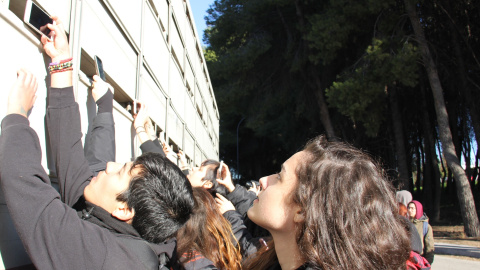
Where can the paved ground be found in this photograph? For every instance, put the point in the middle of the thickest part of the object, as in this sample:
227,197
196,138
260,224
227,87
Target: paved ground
445,262
458,250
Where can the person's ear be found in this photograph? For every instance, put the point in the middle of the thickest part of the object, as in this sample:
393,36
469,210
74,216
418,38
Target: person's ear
123,213
207,185
299,216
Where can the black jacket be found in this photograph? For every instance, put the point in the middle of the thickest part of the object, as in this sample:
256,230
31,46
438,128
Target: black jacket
51,230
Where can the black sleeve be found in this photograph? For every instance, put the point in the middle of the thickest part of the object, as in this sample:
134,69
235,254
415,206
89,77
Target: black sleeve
244,239
52,233
151,146
242,199
415,240
100,142
64,128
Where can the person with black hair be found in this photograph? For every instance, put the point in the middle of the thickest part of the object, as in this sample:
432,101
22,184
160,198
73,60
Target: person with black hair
126,216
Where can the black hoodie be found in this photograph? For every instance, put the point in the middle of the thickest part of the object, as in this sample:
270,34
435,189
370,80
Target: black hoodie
54,235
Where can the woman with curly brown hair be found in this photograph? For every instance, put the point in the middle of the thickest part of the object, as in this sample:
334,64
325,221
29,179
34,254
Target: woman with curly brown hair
330,207
206,241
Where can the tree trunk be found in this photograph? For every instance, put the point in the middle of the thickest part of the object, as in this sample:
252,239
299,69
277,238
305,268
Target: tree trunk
401,154
418,183
318,91
324,114
464,193
465,90
429,131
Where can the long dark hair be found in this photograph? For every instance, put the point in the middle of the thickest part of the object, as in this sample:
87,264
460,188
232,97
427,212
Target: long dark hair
208,233
350,211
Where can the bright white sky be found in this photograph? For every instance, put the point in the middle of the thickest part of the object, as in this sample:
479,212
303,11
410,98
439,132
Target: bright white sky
199,10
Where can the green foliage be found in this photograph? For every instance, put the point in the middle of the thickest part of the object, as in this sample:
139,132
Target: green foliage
268,60
340,25
361,93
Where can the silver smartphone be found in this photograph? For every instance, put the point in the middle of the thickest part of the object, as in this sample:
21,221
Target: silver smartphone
99,68
219,171
37,19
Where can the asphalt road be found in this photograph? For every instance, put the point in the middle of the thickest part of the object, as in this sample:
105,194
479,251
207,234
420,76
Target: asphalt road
443,262
459,250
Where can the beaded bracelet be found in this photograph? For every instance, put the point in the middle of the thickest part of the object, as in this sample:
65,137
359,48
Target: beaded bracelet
61,70
61,67
62,61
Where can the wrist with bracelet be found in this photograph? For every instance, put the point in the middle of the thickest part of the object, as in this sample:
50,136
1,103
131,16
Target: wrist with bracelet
61,66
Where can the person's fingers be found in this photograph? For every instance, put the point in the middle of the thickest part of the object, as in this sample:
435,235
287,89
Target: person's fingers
53,27
44,39
29,79
35,85
57,26
58,23
221,197
21,74
142,110
226,170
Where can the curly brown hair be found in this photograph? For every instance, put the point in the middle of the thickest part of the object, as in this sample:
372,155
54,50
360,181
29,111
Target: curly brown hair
350,211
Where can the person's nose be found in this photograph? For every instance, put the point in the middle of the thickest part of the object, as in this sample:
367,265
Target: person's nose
113,167
263,182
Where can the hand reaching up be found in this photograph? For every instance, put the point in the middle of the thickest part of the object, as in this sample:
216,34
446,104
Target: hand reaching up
224,205
226,178
23,93
56,47
182,159
100,87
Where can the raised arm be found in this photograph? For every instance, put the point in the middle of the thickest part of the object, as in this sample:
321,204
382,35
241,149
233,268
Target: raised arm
143,128
63,119
35,206
241,198
243,237
100,141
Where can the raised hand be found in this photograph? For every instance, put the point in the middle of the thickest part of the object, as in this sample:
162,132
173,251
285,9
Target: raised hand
255,188
226,178
100,87
23,93
224,205
56,47
141,118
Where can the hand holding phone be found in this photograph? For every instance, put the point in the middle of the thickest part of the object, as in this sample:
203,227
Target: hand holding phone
219,171
99,68
224,177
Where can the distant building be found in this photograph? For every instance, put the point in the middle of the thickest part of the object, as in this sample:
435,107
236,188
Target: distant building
151,51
